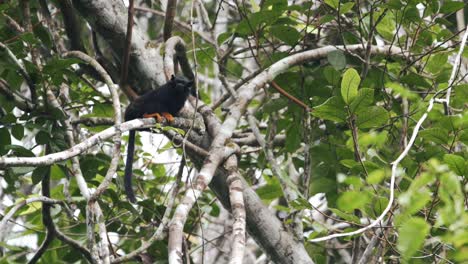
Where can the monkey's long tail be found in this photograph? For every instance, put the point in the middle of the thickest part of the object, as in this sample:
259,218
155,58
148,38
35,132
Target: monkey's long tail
128,167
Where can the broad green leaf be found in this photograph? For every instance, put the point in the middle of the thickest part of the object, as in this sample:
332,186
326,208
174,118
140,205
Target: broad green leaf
451,6
345,216
348,201
436,135
450,192
31,208
20,150
456,163
386,27
364,98
376,176
105,110
293,138
394,4
277,5
401,90
413,79
57,172
21,170
436,62
333,3
274,105
42,137
287,34
332,109
374,116
270,191
17,131
411,235
39,173
373,138
223,37
59,64
461,97
5,139
331,75
350,85
344,8
326,18
349,163
414,199
337,59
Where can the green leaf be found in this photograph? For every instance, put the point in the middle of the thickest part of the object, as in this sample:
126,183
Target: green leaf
462,96
18,171
333,3
349,163
376,176
287,34
332,109
42,137
20,150
456,163
416,80
57,172
337,59
436,135
350,85
348,201
18,131
411,236
436,62
394,4
364,98
348,217
5,139
344,8
105,110
331,75
31,208
451,6
223,37
386,27
277,5
58,64
293,137
39,173
414,199
270,191
401,90
374,116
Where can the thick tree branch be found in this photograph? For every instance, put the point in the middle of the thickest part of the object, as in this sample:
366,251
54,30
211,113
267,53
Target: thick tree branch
169,18
109,19
88,143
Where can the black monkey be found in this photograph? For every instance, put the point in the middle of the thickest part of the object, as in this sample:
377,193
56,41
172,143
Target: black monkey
166,101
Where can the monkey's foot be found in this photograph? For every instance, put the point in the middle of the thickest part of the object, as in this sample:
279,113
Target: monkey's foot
168,116
157,116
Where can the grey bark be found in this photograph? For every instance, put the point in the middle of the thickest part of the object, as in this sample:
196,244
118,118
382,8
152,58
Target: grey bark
109,19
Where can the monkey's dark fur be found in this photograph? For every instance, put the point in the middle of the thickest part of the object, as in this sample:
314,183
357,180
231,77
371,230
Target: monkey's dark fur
168,99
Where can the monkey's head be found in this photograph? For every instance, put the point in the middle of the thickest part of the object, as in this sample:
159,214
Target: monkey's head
181,86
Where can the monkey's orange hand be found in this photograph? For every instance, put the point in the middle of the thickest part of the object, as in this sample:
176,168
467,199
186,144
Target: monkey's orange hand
168,116
157,116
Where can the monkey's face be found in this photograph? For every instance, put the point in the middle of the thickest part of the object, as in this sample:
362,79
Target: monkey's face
182,86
